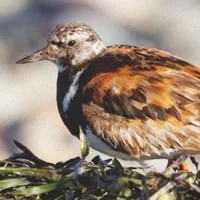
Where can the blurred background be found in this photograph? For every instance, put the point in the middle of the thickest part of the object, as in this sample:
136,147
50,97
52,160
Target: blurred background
28,111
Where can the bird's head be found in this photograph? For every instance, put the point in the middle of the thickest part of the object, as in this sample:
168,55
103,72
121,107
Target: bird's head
69,46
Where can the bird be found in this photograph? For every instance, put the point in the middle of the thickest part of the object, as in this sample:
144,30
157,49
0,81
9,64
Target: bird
131,102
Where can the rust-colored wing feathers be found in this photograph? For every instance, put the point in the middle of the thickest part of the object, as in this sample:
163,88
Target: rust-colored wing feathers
148,105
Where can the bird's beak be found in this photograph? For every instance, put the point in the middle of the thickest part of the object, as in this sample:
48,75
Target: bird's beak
42,54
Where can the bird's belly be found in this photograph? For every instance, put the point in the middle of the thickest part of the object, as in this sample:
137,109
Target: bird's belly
96,143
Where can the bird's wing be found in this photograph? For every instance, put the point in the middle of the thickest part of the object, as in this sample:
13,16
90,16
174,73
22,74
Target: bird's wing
143,101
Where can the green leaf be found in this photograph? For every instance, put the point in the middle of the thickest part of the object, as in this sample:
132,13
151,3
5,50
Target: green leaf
84,145
35,190
44,188
13,182
50,174
127,192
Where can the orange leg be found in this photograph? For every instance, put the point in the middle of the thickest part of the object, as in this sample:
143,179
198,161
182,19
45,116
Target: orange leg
182,166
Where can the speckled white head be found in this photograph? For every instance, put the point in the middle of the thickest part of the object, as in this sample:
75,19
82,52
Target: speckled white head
70,46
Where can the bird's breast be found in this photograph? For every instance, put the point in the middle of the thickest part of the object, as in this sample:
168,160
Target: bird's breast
67,101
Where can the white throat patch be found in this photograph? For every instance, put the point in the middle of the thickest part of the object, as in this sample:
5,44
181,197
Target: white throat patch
72,91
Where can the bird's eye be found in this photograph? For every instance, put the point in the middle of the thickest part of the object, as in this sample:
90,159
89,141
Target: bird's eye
71,43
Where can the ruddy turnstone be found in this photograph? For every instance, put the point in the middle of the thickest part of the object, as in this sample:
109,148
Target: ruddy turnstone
133,103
